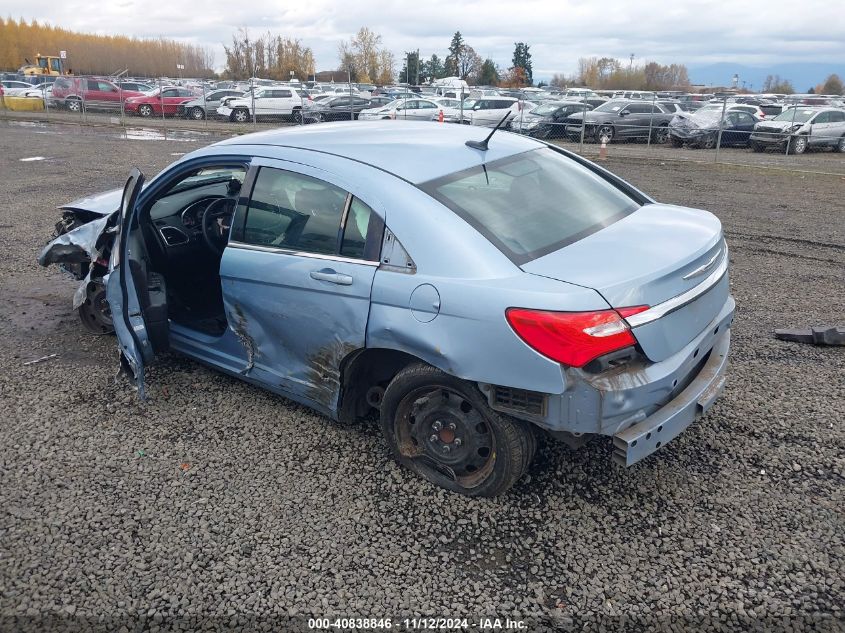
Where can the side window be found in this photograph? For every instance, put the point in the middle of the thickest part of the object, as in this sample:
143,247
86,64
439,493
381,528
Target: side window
104,86
283,94
824,117
837,117
745,118
92,84
170,92
355,231
294,211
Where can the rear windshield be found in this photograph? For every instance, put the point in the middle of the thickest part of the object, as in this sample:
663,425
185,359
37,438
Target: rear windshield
532,203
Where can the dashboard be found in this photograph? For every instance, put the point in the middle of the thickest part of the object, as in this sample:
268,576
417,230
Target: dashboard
178,217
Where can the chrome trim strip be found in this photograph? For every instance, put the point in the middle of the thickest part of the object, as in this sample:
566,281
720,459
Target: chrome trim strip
287,251
679,301
704,268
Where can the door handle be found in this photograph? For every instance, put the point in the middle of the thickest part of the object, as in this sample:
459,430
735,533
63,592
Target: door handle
332,276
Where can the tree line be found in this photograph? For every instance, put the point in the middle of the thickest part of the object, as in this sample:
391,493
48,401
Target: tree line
268,56
100,54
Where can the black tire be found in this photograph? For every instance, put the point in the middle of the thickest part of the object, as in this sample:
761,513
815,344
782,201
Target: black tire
239,115
197,113
74,104
840,146
605,131
145,110
798,144
297,115
756,147
660,135
676,142
95,312
709,141
487,451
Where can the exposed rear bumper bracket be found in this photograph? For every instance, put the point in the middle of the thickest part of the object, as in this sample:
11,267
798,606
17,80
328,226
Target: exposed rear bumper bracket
815,335
642,439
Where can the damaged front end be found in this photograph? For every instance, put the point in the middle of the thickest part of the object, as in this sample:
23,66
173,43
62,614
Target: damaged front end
82,247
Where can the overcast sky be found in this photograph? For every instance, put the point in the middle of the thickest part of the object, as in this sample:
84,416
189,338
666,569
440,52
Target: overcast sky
695,32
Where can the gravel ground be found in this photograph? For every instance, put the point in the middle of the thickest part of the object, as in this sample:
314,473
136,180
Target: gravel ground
215,504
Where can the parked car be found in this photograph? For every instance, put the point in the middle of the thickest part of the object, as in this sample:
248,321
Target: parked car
165,100
552,314
92,93
487,112
801,128
272,101
335,109
702,129
136,86
622,119
199,107
547,120
405,109
15,88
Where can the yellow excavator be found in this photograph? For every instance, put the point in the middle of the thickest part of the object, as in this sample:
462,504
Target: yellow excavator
44,65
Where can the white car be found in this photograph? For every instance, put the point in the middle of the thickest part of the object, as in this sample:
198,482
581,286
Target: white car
487,112
405,109
270,101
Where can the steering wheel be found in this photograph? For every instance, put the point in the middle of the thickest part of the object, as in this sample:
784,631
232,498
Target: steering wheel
215,227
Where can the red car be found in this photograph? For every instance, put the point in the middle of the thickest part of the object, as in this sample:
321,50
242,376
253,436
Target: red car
94,92
168,99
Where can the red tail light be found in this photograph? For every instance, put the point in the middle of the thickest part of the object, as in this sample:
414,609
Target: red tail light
574,338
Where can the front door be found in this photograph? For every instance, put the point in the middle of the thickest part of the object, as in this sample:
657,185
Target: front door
296,276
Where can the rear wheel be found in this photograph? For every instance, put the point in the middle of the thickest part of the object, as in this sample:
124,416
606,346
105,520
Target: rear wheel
441,428
197,113
145,110
798,145
756,147
297,115
840,146
604,134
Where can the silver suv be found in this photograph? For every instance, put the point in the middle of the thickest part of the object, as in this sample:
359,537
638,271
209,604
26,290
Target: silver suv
801,127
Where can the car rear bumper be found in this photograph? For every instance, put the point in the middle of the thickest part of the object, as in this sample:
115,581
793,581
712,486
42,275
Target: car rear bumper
632,401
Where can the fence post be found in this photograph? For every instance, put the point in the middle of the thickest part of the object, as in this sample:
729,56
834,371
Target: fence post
84,105
204,106
252,96
791,125
721,125
651,120
583,127
161,104
349,80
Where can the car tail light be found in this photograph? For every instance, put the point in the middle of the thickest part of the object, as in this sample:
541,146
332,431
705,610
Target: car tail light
574,338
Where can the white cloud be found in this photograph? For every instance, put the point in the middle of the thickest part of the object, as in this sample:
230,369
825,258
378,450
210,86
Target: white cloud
559,32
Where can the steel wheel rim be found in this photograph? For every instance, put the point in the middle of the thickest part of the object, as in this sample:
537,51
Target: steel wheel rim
198,113
446,435
95,312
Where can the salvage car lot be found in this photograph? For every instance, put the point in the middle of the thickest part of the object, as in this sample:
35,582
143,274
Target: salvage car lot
217,499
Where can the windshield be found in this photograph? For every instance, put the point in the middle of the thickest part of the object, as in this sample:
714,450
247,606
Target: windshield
611,106
532,203
469,103
547,108
706,114
800,115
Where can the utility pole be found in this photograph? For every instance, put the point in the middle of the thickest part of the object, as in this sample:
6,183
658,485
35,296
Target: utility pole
631,63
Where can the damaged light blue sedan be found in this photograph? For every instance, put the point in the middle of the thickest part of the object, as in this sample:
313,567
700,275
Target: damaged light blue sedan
473,291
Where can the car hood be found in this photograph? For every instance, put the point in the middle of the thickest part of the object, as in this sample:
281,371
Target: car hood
99,203
688,123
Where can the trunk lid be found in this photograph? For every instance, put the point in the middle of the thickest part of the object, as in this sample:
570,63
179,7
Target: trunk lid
655,254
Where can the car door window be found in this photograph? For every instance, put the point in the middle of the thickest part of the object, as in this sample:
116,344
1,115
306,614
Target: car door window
824,117
745,119
355,230
294,211
836,117
283,94
104,86
171,92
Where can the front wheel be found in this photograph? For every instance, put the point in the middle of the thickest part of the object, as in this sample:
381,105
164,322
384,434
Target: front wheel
197,113
677,142
756,147
709,142
442,428
661,135
145,110
241,115
798,145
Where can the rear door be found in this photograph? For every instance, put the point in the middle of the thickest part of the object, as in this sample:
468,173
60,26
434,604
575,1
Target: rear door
297,275
819,130
136,295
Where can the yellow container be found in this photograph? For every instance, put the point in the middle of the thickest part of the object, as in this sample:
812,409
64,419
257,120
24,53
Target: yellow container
24,104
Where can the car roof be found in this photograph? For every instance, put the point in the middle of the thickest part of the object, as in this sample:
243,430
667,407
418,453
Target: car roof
416,151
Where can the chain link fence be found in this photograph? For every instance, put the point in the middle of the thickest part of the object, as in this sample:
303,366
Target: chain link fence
787,135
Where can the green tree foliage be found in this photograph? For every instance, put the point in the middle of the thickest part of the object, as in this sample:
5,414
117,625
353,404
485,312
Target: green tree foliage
100,54
456,51
434,68
489,73
522,59
412,69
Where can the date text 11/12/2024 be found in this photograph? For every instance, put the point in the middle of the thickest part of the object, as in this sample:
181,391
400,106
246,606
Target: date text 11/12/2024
417,624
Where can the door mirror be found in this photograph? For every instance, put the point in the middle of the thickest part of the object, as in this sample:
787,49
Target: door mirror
477,106
624,113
